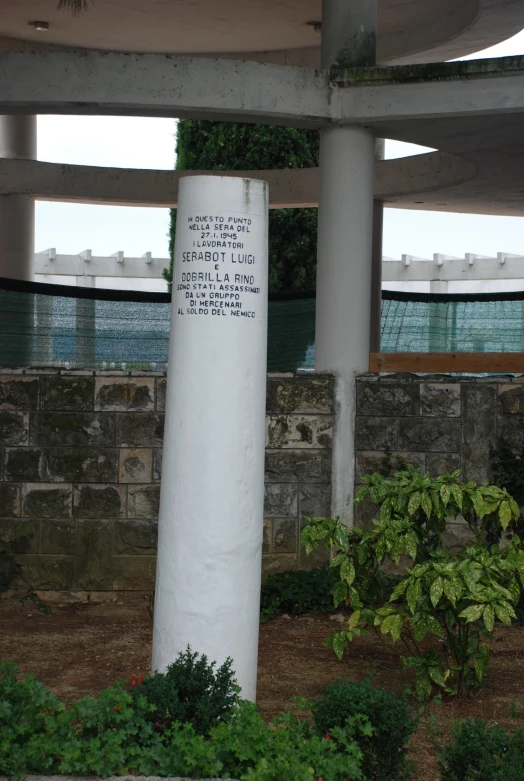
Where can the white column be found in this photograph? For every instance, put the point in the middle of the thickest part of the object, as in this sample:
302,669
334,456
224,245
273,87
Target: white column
376,263
211,503
345,233
17,212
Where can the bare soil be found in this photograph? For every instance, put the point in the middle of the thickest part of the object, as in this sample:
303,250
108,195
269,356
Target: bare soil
81,649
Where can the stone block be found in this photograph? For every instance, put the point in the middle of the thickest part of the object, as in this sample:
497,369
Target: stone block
66,393
299,431
511,400
298,466
314,501
133,394
23,464
22,536
479,430
280,499
58,537
429,434
370,462
94,555
285,534
135,538
99,501
375,433
19,393
136,465
299,395
80,465
143,429
14,427
48,572
511,430
134,573
388,400
72,429
442,463
278,562
9,500
267,538
161,387
457,536
40,500
2,461
143,501
439,400
157,464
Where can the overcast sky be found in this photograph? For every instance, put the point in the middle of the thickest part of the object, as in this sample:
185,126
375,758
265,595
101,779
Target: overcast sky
150,143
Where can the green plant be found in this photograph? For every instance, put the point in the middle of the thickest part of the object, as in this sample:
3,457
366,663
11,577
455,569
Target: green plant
480,751
191,691
297,592
112,735
444,607
515,707
204,145
384,751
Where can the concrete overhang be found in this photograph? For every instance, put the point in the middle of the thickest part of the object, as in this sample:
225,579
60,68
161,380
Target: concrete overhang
265,30
395,180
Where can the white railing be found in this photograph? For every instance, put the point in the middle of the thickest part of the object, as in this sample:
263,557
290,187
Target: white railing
438,271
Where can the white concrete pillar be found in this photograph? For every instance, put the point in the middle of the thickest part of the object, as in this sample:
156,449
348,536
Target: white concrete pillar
211,503
345,233
17,212
376,268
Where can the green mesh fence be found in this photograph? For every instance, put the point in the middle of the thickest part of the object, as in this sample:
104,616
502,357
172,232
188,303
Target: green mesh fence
55,325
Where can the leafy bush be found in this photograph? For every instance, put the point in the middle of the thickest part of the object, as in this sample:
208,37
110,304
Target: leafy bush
479,751
113,735
384,751
297,592
190,692
444,608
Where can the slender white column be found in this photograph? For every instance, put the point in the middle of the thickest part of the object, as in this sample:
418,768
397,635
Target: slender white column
17,212
345,233
211,503
376,271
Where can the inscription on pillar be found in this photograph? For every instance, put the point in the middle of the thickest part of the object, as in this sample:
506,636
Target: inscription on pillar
218,273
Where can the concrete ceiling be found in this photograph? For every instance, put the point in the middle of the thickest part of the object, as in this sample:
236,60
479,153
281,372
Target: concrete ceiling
278,30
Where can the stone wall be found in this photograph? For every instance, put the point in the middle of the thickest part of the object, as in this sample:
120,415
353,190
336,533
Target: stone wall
81,463
440,423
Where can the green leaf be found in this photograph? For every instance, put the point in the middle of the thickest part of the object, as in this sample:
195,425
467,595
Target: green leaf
399,589
413,595
457,495
434,626
340,592
339,643
505,613
347,571
414,503
437,588
426,505
505,514
445,494
489,618
393,625
420,630
472,613
354,619
361,495
385,510
435,673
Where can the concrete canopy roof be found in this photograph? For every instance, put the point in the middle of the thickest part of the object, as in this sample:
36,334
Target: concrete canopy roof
270,30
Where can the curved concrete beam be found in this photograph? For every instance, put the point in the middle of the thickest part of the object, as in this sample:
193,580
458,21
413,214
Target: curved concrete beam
289,188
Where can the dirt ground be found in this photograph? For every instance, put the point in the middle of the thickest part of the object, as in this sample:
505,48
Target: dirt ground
81,649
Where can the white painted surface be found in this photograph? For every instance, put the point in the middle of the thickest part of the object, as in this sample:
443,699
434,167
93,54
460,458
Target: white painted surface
211,504
344,286
17,212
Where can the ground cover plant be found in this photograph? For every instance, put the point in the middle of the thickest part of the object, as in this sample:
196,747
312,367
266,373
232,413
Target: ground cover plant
114,732
297,592
444,607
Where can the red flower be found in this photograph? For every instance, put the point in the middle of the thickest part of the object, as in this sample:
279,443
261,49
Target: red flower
327,736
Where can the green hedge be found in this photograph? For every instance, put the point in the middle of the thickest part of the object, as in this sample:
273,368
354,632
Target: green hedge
225,146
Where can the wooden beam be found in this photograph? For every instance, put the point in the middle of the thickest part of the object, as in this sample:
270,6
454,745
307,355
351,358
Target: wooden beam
444,363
